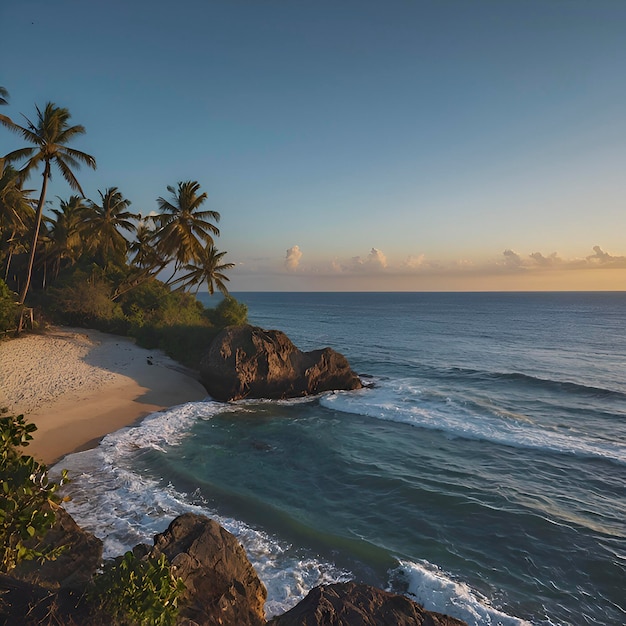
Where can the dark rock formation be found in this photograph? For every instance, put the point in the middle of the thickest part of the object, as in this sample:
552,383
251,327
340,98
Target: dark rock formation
222,586
249,362
77,563
53,592
351,604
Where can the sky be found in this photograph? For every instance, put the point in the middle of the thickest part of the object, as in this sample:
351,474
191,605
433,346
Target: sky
351,145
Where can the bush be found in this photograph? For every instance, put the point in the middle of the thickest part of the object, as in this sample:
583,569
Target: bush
8,308
139,591
229,312
82,300
28,498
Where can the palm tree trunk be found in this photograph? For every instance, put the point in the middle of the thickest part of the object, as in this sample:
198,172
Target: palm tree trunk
33,246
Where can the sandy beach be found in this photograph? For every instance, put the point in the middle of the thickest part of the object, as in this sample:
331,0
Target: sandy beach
77,385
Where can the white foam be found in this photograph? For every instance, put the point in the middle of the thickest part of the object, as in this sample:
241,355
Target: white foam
437,591
125,508
402,401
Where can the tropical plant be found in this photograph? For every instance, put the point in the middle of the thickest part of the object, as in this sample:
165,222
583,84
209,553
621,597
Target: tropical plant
142,592
208,269
183,228
16,214
66,232
229,312
8,308
28,498
104,223
49,137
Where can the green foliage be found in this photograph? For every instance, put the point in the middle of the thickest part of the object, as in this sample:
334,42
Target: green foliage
8,308
82,300
229,312
183,343
28,498
139,591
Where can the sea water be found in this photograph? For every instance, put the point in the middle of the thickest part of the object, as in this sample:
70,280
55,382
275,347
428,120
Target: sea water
482,472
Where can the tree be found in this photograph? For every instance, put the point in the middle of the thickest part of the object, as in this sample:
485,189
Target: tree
49,137
183,228
104,223
66,232
16,214
208,269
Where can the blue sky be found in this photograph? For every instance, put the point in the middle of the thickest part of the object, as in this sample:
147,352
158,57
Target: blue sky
352,145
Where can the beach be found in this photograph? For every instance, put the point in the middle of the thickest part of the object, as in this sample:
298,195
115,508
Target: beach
78,385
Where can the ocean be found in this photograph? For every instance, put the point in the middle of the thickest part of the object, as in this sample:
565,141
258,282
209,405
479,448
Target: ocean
481,473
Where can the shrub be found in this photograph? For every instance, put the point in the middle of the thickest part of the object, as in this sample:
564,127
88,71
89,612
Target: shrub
82,300
28,497
8,308
229,312
139,591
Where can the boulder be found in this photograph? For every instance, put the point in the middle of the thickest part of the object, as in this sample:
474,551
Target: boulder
352,604
249,362
221,584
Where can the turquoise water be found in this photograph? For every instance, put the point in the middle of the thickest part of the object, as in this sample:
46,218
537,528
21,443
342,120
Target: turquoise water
482,474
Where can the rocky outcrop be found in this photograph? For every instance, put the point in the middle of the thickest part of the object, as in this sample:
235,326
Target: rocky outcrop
76,565
221,584
351,604
249,362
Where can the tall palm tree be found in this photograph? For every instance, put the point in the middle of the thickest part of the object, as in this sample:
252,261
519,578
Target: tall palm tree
66,232
209,269
104,223
183,228
49,137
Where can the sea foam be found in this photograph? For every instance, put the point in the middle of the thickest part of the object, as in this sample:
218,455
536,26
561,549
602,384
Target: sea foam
124,508
403,401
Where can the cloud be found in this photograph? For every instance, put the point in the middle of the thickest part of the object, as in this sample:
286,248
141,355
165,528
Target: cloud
375,261
292,259
413,262
377,258
512,259
546,261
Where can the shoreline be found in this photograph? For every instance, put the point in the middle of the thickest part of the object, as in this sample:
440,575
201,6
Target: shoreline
78,385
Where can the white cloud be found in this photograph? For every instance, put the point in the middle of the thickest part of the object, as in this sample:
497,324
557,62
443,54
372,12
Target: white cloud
292,259
377,258
413,262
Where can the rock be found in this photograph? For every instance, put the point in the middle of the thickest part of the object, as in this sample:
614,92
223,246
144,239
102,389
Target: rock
249,362
352,604
74,567
222,586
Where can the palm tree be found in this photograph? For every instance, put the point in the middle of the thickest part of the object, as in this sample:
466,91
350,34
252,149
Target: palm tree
49,136
104,222
209,270
184,230
16,214
143,249
66,232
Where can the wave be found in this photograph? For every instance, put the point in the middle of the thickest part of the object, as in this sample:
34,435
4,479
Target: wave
431,587
403,401
536,381
124,507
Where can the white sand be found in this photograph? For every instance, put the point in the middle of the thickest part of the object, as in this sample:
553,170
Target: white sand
78,385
